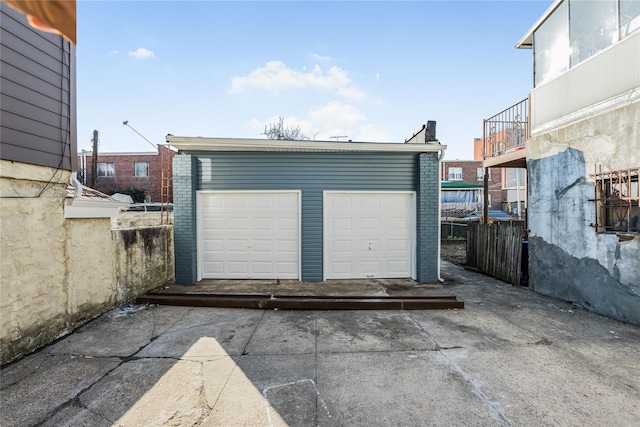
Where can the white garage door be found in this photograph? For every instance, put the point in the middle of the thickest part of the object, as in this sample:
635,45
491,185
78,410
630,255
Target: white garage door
248,235
368,234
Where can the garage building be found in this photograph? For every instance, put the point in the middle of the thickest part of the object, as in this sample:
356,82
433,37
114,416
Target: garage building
306,210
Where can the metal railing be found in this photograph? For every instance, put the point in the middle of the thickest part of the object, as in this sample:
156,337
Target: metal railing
506,131
617,200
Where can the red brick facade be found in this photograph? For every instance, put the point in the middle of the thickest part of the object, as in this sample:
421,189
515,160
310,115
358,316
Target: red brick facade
470,175
124,172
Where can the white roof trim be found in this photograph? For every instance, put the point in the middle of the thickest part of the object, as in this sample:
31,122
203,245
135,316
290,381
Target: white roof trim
81,207
186,143
526,41
119,153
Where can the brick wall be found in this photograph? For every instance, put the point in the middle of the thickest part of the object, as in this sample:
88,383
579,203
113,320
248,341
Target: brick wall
428,217
124,168
184,219
470,176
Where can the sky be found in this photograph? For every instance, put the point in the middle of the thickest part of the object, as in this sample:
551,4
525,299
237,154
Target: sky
368,71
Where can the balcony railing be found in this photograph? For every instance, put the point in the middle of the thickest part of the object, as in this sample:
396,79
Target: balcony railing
507,131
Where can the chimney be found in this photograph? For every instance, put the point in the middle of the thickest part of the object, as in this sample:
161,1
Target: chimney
430,134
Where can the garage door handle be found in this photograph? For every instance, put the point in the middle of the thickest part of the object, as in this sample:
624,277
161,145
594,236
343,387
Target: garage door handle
369,246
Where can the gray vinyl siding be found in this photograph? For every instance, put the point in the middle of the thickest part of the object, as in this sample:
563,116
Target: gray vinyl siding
311,173
37,94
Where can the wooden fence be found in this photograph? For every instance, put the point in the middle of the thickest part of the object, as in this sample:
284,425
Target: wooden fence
496,248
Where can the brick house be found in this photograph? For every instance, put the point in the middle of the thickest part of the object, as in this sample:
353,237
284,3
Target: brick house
123,170
513,178
471,172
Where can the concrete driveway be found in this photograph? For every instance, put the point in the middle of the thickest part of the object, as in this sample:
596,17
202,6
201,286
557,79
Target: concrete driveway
510,358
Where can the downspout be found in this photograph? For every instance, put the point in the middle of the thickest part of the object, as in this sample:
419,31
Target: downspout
440,157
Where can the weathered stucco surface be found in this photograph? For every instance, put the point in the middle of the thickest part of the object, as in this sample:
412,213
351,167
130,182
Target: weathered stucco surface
58,273
34,287
91,260
568,259
144,259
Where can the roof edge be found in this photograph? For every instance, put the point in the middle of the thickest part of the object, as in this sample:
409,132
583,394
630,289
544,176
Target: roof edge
526,41
186,143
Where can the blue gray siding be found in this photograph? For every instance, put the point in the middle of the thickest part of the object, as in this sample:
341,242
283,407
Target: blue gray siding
314,172
37,94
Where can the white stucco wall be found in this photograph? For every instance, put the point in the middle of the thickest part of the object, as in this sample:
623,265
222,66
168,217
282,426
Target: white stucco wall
58,273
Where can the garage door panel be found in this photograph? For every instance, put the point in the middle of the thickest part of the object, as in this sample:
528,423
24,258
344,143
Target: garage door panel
287,246
239,201
260,267
368,246
249,235
213,245
398,266
238,267
237,245
343,246
217,267
372,230
286,203
287,268
370,202
342,268
369,224
338,223
287,224
261,245
370,268
397,223
262,224
398,244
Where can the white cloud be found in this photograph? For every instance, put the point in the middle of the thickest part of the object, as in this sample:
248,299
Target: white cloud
351,93
317,57
328,121
276,76
371,133
114,52
336,115
142,53
377,76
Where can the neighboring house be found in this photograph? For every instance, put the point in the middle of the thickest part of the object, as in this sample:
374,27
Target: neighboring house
125,170
62,264
41,295
463,181
501,143
305,210
582,154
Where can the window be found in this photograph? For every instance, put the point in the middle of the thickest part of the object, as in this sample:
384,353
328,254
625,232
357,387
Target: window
592,27
629,17
579,29
514,177
551,46
142,169
617,201
480,174
455,174
106,170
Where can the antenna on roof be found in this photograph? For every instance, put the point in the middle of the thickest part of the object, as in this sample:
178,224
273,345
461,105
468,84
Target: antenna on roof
126,123
337,137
